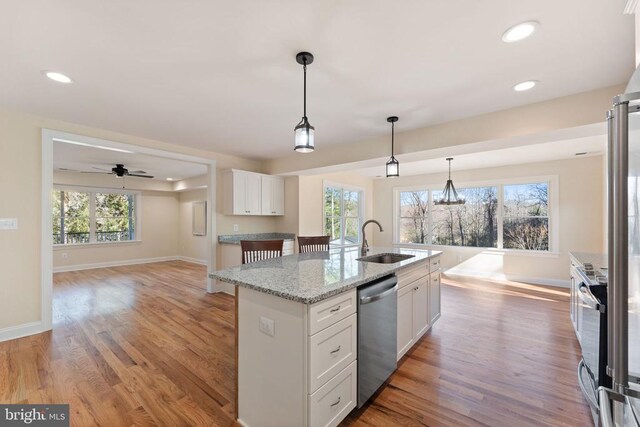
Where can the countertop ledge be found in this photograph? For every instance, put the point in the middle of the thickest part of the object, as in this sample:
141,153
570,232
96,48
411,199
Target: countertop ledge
312,277
599,261
234,239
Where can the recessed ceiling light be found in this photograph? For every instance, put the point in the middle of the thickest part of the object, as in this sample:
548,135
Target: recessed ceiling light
529,84
58,77
520,31
169,179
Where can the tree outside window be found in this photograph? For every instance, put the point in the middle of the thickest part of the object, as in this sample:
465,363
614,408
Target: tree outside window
526,216
342,217
414,220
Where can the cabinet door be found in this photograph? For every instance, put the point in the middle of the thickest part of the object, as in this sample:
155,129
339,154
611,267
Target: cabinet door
434,298
267,195
277,196
239,192
253,196
420,307
405,320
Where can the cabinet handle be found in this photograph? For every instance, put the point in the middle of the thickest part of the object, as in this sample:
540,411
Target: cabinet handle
336,350
416,288
333,310
336,402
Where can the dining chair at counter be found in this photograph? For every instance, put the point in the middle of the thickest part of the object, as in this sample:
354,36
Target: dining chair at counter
313,243
257,250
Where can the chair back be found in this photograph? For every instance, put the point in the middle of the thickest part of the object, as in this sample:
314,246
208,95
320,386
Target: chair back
313,243
257,250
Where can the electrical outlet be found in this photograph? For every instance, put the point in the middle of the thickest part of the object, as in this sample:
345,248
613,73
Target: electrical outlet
267,326
236,227
64,255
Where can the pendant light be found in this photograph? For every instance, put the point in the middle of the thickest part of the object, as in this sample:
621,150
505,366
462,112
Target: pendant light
304,132
449,194
393,166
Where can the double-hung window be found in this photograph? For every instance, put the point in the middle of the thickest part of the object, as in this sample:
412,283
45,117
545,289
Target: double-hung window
342,213
93,216
515,216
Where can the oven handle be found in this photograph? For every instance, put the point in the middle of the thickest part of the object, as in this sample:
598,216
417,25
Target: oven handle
587,297
589,396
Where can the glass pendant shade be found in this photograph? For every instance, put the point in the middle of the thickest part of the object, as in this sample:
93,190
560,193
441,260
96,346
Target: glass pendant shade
304,137
393,168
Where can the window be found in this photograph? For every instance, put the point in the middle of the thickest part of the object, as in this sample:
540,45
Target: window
414,207
90,217
506,216
526,216
473,224
342,214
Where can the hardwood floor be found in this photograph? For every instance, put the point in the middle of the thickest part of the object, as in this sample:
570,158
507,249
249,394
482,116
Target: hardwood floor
145,345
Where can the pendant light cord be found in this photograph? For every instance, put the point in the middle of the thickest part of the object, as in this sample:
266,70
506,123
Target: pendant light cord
304,67
449,169
393,126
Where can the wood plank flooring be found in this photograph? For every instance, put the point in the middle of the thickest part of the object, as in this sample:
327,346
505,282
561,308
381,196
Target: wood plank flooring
145,345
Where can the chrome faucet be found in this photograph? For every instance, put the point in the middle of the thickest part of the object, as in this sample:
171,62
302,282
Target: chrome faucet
365,245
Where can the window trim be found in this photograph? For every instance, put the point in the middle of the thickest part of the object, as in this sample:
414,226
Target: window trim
553,214
333,184
92,214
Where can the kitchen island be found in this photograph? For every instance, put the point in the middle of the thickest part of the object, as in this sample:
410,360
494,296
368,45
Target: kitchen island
297,329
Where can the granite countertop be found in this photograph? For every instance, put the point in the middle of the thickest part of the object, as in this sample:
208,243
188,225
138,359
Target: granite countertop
312,277
599,261
234,239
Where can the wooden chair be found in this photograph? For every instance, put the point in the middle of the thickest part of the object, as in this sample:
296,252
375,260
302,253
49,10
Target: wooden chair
257,250
313,243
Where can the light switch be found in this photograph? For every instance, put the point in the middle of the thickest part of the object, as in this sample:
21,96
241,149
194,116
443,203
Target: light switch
8,223
267,326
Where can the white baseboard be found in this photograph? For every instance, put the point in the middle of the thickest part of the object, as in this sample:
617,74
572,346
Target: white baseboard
507,277
120,263
192,260
20,331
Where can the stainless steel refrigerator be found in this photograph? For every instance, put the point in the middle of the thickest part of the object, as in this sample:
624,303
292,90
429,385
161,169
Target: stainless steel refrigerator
620,405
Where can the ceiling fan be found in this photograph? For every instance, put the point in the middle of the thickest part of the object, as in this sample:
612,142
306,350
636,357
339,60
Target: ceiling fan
120,171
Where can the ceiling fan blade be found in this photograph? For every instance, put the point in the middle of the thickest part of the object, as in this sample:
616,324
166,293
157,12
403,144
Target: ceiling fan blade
100,169
140,176
138,172
99,173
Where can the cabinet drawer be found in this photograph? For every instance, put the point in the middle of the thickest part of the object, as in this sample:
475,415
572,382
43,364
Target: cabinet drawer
434,264
325,313
334,400
411,274
331,350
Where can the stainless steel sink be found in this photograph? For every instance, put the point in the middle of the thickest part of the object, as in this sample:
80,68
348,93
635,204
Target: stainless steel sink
385,258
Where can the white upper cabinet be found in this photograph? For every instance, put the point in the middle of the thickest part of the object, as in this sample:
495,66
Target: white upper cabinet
250,193
242,193
272,195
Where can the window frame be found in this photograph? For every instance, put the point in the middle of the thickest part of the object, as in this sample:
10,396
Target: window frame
92,191
553,213
361,194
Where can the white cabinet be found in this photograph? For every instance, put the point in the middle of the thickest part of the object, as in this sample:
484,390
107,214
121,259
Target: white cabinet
272,195
418,302
242,193
405,320
250,193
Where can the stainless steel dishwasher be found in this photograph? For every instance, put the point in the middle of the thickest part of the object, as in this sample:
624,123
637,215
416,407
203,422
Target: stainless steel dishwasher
377,335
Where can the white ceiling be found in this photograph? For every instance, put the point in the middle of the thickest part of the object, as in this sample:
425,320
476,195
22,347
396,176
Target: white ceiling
534,153
80,158
222,75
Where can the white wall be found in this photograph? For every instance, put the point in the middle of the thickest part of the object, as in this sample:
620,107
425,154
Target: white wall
581,197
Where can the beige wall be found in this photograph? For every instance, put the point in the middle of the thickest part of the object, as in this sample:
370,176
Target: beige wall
159,233
190,246
20,156
581,197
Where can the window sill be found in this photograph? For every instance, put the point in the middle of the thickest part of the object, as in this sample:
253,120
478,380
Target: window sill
493,251
57,247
